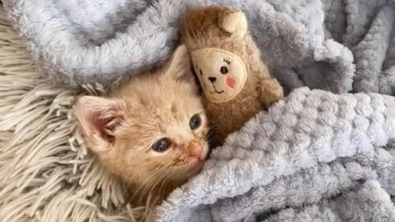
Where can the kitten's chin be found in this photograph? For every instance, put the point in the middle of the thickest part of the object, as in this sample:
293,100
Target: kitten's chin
195,166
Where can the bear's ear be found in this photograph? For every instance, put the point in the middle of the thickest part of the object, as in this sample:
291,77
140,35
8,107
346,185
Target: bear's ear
234,22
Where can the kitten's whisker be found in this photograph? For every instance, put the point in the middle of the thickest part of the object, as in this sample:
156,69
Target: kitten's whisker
165,181
135,192
145,185
210,133
150,187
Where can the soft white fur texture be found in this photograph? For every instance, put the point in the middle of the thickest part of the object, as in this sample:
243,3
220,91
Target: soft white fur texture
46,174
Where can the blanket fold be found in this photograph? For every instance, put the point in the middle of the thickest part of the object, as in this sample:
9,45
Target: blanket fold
103,42
368,199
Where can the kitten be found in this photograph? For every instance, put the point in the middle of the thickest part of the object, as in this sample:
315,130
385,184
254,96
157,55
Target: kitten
151,131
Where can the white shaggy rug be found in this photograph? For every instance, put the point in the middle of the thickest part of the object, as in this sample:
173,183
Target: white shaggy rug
45,172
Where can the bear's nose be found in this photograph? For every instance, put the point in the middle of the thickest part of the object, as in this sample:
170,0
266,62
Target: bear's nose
212,79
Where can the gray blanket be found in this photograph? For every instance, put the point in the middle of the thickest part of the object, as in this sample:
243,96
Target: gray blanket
316,153
316,156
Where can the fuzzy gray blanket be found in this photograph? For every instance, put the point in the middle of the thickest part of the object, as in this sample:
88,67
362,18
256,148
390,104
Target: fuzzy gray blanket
316,156
316,153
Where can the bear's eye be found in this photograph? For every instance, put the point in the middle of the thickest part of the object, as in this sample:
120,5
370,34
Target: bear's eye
224,70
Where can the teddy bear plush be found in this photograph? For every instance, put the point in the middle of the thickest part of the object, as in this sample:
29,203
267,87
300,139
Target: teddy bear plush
235,82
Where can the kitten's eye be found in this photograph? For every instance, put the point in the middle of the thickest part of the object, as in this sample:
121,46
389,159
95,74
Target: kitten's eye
224,70
195,122
161,145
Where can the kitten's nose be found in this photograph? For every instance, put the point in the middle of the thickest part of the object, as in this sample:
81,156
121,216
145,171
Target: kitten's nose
212,79
195,150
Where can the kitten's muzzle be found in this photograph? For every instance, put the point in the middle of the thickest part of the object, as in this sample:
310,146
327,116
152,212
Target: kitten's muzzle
196,151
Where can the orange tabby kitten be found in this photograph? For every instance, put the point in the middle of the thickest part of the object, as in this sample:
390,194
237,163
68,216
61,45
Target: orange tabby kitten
151,131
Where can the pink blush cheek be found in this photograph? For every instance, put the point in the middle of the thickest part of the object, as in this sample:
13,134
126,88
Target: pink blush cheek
230,82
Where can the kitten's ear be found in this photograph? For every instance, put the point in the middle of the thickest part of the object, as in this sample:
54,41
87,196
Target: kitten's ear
179,65
98,118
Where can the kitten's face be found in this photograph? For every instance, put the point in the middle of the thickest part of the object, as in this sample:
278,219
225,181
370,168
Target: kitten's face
163,133
150,131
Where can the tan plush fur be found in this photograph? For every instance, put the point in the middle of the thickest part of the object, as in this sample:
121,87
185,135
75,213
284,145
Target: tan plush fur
225,28
122,128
